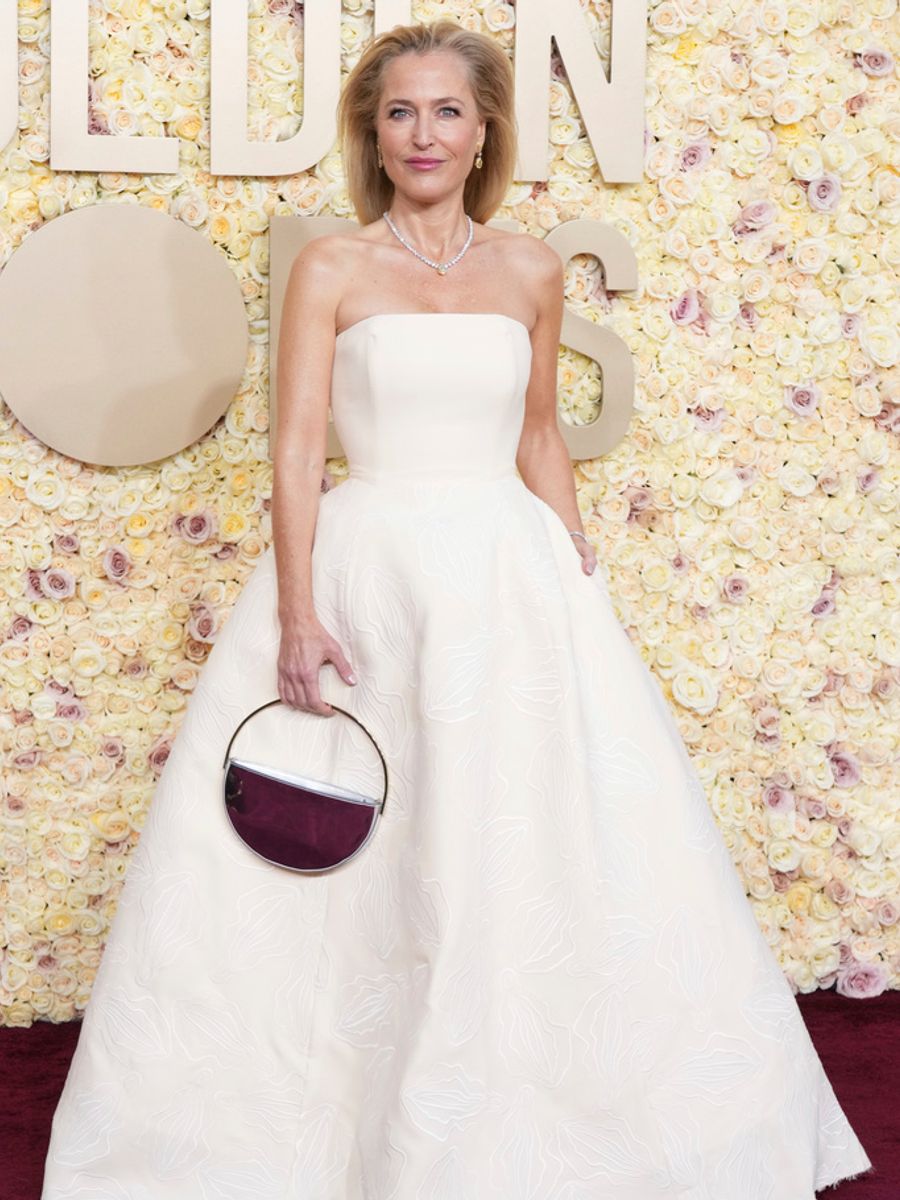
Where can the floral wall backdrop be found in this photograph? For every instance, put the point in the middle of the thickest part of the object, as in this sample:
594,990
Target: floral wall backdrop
747,525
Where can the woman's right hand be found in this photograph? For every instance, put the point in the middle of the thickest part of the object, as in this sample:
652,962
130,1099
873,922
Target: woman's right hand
305,646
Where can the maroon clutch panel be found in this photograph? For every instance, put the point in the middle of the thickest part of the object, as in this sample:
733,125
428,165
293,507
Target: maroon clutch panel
294,821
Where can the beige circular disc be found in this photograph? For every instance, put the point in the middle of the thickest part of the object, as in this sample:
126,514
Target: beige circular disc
123,335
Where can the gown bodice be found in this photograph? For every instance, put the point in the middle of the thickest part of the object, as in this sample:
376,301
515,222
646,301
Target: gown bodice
430,395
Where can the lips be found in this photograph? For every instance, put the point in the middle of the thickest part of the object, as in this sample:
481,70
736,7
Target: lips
424,162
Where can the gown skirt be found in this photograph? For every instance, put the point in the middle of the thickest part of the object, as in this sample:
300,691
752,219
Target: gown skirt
542,978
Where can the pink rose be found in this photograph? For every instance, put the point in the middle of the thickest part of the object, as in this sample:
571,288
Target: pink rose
779,799
708,418
113,747
57,583
735,589
757,214
813,807
767,720
782,880
640,500
686,308
883,687
696,154
769,741
839,891
802,400
888,417
195,651
34,589
845,768
116,563
874,61
67,543
824,606
862,980
867,479
202,624
747,316
19,627
824,193
158,755
196,528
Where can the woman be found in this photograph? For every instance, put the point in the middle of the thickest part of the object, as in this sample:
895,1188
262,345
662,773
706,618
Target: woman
542,978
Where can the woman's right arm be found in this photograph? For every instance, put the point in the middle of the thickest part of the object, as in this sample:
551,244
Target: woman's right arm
305,355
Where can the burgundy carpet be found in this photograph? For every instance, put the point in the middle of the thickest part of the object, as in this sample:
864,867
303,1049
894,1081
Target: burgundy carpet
856,1040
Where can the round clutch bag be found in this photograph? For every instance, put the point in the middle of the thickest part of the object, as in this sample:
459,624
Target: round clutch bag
294,821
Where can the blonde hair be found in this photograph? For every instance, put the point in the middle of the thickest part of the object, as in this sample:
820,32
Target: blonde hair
491,81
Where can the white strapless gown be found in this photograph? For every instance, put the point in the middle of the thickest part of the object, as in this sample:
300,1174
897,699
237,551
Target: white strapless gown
542,978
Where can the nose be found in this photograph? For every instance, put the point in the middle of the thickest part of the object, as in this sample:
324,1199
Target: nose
422,135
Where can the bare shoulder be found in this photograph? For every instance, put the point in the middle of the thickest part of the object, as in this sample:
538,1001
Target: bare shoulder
529,257
323,267
533,267
323,254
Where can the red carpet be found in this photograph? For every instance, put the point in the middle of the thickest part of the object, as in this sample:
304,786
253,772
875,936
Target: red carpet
856,1040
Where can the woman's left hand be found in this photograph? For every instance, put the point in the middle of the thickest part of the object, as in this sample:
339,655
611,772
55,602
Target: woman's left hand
588,556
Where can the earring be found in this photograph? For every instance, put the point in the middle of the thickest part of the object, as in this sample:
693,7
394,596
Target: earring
479,161
378,150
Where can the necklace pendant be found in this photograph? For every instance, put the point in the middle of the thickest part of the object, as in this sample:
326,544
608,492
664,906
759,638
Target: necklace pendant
442,270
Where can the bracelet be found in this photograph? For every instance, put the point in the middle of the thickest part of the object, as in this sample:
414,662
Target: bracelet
577,533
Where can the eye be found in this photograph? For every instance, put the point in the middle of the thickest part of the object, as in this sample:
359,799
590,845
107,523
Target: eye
393,111
449,108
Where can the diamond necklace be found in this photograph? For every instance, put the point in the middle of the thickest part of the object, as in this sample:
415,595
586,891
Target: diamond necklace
441,268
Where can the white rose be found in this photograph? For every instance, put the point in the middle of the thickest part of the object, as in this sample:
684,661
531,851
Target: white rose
880,343
722,489
802,19
45,490
657,577
89,659
783,855
771,17
694,689
722,305
838,152
825,327
756,284
769,71
667,18
789,108
810,255
795,481
819,727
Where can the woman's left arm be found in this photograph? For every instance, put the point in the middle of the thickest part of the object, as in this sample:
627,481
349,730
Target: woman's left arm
542,457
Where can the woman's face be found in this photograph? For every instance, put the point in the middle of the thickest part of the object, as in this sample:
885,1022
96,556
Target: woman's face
427,124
